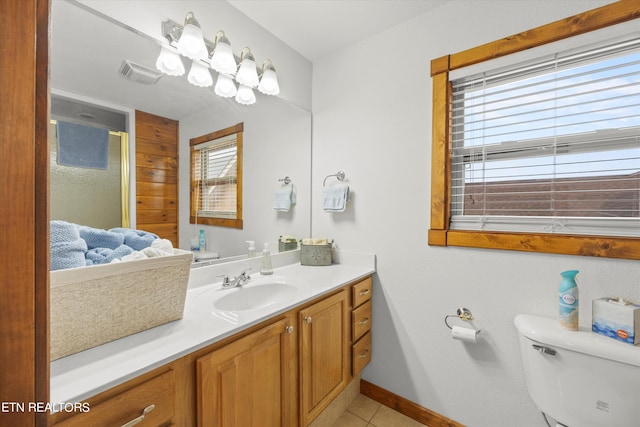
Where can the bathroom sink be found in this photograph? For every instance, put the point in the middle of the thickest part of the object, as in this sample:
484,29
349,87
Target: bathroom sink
258,293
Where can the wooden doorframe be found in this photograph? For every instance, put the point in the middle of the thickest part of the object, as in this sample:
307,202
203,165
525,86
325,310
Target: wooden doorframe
24,212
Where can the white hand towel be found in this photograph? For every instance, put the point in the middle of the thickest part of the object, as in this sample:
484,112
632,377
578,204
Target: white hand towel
335,198
283,198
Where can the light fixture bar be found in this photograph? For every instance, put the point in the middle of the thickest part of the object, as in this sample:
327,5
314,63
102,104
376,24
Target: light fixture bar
219,57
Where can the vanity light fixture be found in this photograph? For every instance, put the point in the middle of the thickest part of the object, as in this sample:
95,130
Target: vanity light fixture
268,80
188,41
222,59
191,42
169,62
245,95
199,75
247,74
225,86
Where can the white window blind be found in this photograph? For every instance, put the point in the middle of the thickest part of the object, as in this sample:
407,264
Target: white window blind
216,170
551,145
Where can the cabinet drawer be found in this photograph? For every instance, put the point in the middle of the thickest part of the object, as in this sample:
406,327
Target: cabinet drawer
361,292
360,321
361,354
157,393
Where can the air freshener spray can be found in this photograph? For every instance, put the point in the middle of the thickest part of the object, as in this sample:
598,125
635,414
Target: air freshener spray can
568,292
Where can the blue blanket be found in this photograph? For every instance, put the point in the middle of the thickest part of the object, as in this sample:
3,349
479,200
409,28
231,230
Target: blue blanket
75,245
106,255
62,231
67,249
98,238
68,255
136,239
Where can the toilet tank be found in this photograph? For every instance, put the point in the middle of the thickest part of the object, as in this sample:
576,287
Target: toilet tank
579,378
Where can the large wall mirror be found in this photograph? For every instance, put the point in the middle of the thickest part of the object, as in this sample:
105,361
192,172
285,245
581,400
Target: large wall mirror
88,49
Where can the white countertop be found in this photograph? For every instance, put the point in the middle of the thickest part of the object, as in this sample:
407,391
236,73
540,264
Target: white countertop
82,375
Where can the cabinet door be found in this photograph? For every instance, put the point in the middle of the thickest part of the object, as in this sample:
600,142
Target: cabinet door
250,382
324,353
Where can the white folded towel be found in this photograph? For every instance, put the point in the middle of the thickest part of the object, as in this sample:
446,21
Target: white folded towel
283,198
315,241
158,248
335,197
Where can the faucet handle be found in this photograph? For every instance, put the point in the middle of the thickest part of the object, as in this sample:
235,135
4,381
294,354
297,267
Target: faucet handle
225,280
244,273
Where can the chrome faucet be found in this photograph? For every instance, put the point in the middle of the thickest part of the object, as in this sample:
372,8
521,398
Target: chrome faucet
242,279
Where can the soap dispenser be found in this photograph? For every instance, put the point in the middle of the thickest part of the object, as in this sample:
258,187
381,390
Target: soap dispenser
251,252
266,267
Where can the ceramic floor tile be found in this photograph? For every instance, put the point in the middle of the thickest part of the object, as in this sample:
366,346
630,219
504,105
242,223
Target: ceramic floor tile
363,407
386,417
350,420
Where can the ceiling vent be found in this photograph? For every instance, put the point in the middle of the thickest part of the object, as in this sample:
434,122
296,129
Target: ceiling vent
139,73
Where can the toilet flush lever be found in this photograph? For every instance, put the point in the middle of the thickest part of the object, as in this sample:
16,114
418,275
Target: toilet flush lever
544,350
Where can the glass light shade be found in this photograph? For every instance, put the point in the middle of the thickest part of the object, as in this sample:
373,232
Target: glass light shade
269,83
225,87
247,74
169,62
245,95
222,59
191,43
199,75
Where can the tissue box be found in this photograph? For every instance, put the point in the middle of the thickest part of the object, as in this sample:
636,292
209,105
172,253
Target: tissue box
617,319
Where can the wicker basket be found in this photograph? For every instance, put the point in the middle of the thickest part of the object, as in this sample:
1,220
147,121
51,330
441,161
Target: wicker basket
93,305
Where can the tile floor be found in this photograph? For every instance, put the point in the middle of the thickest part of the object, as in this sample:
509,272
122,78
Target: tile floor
365,412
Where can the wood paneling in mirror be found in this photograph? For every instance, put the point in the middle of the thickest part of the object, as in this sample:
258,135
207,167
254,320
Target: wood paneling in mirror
157,175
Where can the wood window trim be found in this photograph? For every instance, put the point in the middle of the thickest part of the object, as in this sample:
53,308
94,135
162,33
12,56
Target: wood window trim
221,222
439,233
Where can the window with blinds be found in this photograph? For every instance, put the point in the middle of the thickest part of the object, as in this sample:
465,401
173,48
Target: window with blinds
216,173
551,145
216,178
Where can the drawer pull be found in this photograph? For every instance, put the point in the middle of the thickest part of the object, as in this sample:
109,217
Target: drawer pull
141,417
308,319
289,329
364,354
364,292
364,321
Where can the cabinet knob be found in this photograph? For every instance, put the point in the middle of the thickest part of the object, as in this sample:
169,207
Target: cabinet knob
308,319
289,329
141,417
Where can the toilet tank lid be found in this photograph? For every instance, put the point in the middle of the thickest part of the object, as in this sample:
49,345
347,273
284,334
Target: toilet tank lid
548,331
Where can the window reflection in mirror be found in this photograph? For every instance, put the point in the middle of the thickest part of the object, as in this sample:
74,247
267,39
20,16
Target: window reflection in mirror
216,178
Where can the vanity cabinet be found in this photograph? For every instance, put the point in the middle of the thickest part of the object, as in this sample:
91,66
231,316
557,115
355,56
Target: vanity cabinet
324,353
148,404
282,372
250,382
361,325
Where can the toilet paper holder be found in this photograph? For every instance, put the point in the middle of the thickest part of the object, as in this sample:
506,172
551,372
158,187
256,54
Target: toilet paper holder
462,313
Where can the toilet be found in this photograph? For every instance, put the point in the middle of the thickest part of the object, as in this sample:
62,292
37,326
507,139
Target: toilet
579,379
